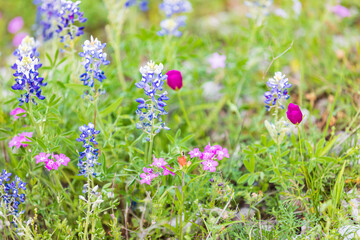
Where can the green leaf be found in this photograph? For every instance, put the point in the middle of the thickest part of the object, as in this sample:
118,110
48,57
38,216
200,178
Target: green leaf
112,107
243,178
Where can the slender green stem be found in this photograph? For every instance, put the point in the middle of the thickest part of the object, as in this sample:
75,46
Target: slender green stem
302,160
88,208
184,111
33,119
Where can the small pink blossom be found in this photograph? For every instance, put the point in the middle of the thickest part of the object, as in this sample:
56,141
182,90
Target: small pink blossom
212,149
148,170
50,165
42,157
18,38
210,165
217,61
15,25
62,159
221,153
146,178
294,114
174,79
195,153
341,11
16,112
19,140
207,155
158,162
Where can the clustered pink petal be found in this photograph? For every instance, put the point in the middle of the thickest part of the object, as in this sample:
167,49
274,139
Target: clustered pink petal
15,24
158,162
210,155
146,178
341,11
294,114
50,163
16,112
174,79
20,140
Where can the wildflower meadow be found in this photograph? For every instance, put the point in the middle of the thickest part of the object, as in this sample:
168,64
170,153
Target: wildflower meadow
180,119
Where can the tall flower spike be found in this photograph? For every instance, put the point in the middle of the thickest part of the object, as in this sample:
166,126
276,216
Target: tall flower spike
143,4
152,108
26,71
173,21
94,57
88,158
10,194
278,86
59,17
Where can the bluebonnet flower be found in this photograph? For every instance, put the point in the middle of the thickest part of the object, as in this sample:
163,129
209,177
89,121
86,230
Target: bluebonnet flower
278,90
171,7
47,17
59,17
143,4
172,23
151,109
94,57
88,158
26,71
170,26
258,10
10,193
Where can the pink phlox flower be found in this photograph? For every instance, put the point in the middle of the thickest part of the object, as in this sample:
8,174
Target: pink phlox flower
207,155
146,178
62,159
167,171
15,24
24,137
221,153
50,165
15,141
217,61
42,157
158,162
210,165
16,112
212,149
148,170
195,153
341,11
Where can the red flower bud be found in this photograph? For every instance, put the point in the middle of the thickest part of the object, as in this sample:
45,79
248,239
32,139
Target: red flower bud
174,79
294,114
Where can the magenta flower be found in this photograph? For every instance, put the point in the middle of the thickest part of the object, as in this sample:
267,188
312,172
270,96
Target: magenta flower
217,61
158,162
294,113
18,38
42,157
16,112
207,155
146,178
62,159
166,171
19,140
15,25
195,153
221,153
15,141
210,165
50,165
174,79
148,170
24,137
212,149
341,11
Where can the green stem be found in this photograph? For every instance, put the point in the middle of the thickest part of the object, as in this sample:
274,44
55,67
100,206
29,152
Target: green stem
183,110
33,119
88,209
302,160
181,208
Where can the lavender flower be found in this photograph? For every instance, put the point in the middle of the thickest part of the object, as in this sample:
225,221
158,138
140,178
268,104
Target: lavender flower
59,17
88,158
172,9
153,107
94,57
278,90
143,4
170,26
26,71
10,193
